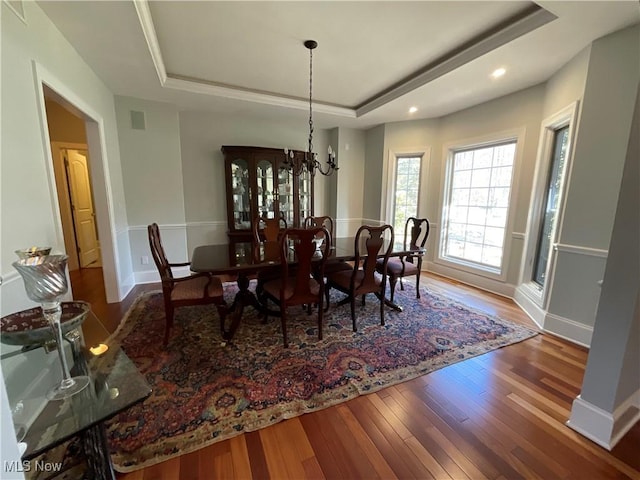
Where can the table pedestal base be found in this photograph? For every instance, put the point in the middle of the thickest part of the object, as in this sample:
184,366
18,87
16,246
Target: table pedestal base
244,297
387,302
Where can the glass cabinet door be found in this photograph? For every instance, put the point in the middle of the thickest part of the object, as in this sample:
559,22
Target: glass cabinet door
304,196
259,184
285,195
266,190
240,195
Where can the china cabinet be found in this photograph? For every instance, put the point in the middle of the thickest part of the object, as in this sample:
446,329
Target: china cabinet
259,184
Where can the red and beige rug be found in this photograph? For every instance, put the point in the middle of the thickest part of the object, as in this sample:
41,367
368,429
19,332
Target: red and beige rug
204,392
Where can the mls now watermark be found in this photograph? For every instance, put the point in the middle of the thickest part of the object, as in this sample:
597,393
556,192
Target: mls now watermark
31,466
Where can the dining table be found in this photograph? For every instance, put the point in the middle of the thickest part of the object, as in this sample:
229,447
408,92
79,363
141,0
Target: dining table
245,259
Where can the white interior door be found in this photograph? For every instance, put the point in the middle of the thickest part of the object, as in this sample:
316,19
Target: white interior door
82,207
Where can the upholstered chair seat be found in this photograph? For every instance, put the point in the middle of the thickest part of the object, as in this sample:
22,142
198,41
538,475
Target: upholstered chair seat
197,288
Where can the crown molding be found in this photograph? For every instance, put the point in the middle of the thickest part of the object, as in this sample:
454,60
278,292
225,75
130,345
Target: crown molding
146,22
511,29
208,88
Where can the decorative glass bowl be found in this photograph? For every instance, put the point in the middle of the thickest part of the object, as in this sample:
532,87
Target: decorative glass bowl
33,252
29,327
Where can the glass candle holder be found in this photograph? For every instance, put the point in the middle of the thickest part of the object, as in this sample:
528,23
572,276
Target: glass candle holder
45,282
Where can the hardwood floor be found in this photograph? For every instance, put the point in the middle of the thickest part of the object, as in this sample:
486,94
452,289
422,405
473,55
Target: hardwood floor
500,415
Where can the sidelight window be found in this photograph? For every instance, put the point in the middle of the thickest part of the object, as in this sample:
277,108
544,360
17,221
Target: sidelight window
407,190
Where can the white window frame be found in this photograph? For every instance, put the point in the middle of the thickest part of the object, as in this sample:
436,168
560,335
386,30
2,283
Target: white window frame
565,117
449,149
390,181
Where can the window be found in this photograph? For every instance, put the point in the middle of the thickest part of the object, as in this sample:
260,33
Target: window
478,188
552,201
407,188
545,217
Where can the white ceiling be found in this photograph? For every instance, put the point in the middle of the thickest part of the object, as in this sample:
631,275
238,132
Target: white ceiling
374,59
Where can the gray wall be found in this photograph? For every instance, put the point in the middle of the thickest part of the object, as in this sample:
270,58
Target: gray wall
152,170
567,84
594,181
374,162
613,368
349,185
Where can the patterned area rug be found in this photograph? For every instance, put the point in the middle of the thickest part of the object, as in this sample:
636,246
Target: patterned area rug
204,392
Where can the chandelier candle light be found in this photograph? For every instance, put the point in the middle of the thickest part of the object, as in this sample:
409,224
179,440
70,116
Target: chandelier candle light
310,161
45,281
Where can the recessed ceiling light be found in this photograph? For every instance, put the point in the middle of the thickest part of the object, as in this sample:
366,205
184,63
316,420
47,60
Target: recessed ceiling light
498,72
413,109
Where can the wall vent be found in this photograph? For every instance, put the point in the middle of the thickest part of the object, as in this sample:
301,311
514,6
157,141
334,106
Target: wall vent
137,120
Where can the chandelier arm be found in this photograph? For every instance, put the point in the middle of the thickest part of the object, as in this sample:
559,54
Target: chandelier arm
310,162
329,171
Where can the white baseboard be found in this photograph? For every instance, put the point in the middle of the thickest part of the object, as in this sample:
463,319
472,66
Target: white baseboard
126,286
152,275
529,306
568,329
602,427
478,281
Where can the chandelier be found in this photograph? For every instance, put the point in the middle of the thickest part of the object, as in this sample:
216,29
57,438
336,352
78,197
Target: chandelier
309,163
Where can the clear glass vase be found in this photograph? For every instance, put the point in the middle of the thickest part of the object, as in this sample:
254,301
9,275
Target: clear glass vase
45,282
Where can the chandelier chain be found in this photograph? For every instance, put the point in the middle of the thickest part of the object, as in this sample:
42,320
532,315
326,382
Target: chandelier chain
310,151
308,161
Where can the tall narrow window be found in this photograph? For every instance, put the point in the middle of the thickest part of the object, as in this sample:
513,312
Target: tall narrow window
550,207
476,206
407,188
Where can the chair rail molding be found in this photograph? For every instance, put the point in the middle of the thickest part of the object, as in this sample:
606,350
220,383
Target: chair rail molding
581,250
164,226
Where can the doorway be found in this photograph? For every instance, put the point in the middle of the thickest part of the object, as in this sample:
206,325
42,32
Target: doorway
108,209
72,171
77,208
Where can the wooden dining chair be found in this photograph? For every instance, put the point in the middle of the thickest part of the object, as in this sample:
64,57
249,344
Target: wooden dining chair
416,232
269,229
301,286
266,235
332,265
361,280
320,221
196,289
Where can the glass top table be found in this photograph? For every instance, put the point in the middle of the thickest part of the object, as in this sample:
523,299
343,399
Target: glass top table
116,384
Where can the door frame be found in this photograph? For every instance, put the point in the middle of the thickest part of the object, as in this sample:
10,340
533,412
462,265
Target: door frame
100,175
66,214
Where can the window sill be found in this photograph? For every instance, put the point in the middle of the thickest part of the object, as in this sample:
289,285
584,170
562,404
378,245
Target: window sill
473,268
